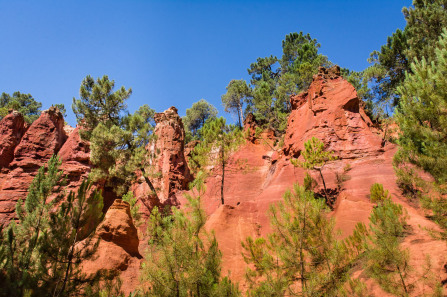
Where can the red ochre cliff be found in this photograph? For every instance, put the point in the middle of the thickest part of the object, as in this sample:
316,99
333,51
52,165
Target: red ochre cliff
257,176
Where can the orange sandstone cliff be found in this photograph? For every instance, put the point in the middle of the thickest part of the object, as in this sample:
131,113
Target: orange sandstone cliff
258,175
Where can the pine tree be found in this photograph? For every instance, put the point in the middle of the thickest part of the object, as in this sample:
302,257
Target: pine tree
23,103
425,22
219,142
23,265
75,220
274,80
118,139
315,158
38,253
387,262
302,256
422,116
196,116
183,259
233,100
378,193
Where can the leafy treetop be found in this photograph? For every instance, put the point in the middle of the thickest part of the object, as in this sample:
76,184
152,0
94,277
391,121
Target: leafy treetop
23,103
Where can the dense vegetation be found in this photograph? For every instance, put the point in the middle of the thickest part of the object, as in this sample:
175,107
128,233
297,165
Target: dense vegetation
303,255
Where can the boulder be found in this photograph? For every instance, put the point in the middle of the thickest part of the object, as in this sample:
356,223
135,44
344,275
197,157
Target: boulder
12,128
330,110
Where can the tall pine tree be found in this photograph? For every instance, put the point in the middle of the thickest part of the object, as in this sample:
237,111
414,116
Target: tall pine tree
302,256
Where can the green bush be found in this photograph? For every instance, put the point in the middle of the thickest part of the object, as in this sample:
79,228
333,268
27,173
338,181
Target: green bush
378,193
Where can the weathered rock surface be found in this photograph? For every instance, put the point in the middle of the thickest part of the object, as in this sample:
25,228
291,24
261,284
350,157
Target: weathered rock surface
330,110
169,163
75,157
118,246
170,160
44,138
252,133
12,128
118,228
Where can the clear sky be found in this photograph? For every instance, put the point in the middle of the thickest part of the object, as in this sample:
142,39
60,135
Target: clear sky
173,52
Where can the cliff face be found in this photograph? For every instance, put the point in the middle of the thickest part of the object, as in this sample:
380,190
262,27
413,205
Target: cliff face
12,128
168,161
330,110
256,176
44,138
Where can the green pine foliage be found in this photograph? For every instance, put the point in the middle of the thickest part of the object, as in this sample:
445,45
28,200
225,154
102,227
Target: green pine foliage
273,80
302,256
117,138
315,157
425,22
75,220
238,93
22,265
387,262
99,104
183,259
134,207
39,256
378,193
219,142
196,116
422,115
23,103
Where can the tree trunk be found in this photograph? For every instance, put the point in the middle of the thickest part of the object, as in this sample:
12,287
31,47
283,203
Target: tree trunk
223,176
402,280
241,116
71,253
324,185
147,180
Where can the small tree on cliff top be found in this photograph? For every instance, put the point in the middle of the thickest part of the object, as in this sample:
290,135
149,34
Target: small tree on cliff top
237,94
197,115
315,158
118,138
23,103
219,142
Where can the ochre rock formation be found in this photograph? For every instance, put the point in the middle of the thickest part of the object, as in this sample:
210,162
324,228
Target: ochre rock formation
170,157
118,246
168,163
44,138
75,157
257,176
251,133
12,128
118,228
330,110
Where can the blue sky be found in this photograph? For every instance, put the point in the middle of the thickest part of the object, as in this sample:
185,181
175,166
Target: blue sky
173,52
